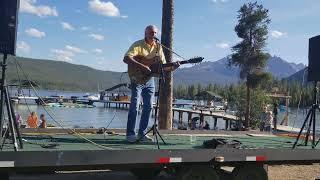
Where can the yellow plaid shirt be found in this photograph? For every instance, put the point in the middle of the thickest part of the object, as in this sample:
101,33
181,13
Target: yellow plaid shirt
141,48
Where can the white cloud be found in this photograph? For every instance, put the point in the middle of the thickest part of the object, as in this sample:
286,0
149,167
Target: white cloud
222,1
75,49
28,6
98,37
35,33
63,55
104,8
98,50
223,45
85,28
67,26
278,34
23,47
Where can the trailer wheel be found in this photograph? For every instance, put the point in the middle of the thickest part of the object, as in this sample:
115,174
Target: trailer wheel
4,176
145,173
252,171
197,173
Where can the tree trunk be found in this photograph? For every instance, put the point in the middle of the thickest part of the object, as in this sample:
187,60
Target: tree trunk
247,116
165,101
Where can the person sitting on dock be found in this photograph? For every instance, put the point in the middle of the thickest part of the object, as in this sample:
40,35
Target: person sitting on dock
194,123
206,126
43,123
32,120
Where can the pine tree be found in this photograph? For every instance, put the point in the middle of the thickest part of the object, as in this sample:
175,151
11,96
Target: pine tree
249,54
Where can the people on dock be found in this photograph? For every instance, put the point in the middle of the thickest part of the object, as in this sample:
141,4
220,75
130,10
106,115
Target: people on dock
263,118
275,113
43,123
225,105
210,103
268,121
206,126
32,120
194,123
150,51
18,119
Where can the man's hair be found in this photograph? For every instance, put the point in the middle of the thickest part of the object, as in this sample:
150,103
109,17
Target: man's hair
151,27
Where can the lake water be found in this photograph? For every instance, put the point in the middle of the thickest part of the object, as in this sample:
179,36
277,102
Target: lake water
114,118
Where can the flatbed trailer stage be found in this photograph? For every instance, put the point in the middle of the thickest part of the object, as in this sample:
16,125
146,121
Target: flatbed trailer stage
183,155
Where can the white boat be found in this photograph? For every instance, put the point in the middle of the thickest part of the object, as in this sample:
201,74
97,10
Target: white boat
94,97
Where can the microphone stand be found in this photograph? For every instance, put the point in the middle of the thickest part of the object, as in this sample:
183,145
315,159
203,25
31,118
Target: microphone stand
157,40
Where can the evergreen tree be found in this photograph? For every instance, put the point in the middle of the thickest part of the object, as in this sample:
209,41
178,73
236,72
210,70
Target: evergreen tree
248,54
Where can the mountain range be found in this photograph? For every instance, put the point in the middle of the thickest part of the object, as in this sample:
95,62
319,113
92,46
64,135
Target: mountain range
60,75
219,72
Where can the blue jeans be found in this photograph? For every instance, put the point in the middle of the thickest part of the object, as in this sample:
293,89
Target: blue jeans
147,92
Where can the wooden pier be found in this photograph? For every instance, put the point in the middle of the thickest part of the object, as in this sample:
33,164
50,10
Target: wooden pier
125,104
114,104
179,109
201,113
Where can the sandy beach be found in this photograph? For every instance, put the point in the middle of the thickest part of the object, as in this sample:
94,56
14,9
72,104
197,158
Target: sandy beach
294,172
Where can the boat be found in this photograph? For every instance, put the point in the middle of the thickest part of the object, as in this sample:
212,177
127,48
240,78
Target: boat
69,105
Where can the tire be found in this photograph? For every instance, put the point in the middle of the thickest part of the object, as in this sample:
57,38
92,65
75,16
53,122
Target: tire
248,172
145,173
4,176
197,173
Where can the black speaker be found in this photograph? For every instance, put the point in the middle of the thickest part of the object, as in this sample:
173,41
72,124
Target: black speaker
314,59
8,26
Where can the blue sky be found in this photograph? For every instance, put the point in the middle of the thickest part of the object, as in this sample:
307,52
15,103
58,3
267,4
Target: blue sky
97,33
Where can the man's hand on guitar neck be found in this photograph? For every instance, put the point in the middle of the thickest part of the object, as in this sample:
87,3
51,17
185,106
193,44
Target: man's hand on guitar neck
176,65
172,68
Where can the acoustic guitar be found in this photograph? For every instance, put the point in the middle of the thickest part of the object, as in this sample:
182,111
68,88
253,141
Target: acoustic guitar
140,77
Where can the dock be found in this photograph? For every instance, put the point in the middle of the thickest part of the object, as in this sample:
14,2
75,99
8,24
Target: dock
125,104
201,113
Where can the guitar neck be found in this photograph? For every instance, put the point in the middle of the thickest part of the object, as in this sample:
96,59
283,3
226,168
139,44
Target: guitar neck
171,63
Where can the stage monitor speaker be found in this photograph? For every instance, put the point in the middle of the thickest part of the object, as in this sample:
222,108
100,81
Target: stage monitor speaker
314,59
8,26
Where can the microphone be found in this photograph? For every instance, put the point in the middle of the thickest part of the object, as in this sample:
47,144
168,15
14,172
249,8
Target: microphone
156,39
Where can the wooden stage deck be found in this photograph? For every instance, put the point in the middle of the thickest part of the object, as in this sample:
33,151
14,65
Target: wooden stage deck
43,139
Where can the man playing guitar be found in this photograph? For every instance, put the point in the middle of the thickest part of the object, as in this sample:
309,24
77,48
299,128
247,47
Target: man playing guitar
140,57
